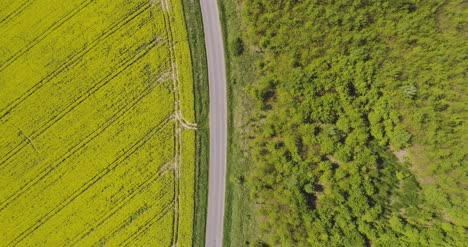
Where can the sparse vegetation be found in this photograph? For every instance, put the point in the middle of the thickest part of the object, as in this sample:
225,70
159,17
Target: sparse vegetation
238,46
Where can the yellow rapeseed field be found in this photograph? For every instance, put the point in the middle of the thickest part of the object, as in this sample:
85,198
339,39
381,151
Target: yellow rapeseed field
97,132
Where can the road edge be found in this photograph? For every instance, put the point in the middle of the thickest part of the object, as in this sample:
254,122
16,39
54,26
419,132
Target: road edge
217,81
227,58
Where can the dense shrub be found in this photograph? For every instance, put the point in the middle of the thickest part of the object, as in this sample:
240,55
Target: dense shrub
346,86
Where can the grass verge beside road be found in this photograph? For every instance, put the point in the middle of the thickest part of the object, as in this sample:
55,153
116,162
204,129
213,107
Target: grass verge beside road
193,20
239,223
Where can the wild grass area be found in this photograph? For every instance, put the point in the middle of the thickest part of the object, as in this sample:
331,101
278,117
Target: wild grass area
351,128
193,20
97,124
240,228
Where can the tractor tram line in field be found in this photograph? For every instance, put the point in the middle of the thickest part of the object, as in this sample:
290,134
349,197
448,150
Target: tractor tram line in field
138,188
180,124
127,64
148,225
16,12
39,38
75,104
177,130
72,151
120,113
134,148
76,57
163,171
33,135
177,126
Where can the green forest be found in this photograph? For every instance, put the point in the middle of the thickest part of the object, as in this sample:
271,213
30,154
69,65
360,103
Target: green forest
360,121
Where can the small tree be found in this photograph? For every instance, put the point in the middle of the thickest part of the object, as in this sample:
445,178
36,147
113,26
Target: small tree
410,92
238,46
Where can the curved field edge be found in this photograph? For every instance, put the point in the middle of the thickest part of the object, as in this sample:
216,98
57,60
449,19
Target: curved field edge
185,117
194,26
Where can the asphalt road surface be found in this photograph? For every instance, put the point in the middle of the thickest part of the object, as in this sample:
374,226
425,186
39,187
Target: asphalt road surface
218,122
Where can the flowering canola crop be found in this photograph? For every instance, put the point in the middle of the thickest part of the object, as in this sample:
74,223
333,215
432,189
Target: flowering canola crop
97,132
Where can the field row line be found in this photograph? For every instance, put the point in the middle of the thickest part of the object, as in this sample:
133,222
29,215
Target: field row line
180,125
128,153
145,185
177,137
142,230
75,58
57,24
103,82
122,112
183,122
15,12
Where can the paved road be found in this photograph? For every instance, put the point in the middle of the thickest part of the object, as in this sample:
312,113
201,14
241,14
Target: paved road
218,122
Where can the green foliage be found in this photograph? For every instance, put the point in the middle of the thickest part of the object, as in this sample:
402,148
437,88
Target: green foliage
238,46
343,85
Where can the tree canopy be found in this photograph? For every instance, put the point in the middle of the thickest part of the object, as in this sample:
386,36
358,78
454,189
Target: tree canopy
361,124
